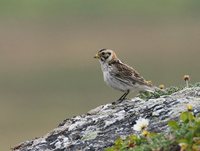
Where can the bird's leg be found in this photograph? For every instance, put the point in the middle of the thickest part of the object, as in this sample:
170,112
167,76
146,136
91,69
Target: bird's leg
123,96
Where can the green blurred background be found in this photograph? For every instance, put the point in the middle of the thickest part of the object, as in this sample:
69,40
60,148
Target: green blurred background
47,70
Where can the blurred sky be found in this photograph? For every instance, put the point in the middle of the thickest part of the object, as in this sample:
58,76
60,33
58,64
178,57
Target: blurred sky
47,70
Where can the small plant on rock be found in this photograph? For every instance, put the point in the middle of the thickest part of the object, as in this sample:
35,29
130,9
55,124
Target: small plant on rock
184,135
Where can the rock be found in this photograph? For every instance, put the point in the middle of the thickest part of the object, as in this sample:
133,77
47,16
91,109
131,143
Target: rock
100,127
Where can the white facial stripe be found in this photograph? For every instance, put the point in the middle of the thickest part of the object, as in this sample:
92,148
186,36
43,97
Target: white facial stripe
106,55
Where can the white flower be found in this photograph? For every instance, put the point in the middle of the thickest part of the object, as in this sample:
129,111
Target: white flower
141,124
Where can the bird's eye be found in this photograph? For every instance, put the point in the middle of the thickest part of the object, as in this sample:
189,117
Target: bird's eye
103,53
109,53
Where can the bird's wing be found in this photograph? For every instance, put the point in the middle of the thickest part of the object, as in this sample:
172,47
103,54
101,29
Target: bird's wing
128,75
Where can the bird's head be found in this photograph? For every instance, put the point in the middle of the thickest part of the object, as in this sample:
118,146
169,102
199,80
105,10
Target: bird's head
105,55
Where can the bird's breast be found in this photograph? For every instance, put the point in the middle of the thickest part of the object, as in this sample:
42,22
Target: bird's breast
113,82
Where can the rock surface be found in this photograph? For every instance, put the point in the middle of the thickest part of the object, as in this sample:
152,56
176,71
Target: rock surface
100,127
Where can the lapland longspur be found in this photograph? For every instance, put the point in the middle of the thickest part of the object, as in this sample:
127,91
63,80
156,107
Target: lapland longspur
121,76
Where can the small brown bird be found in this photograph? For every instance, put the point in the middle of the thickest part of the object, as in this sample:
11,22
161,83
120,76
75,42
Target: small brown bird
121,76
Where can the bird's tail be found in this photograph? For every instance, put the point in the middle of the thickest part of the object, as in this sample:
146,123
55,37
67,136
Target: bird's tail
153,89
150,88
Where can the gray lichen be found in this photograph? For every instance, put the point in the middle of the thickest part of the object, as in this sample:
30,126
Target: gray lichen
100,127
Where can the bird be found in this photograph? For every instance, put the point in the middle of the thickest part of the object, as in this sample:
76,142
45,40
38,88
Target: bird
121,76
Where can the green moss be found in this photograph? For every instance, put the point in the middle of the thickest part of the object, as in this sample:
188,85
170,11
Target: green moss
168,91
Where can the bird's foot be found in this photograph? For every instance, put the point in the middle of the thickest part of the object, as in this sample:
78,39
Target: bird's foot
118,101
121,99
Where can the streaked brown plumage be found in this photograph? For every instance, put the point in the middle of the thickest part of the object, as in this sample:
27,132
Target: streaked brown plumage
120,76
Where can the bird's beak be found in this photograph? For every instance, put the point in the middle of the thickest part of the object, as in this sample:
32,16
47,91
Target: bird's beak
97,56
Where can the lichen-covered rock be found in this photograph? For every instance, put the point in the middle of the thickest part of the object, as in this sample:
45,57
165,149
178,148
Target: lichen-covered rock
100,127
